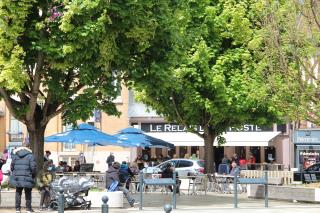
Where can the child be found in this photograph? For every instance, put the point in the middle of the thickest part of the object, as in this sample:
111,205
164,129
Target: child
44,179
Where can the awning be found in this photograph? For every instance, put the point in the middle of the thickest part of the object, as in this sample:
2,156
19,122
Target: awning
232,138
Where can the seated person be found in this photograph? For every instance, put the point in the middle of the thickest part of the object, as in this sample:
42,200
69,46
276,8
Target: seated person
235,169
112,178
168,173
76,167
61,167
125,174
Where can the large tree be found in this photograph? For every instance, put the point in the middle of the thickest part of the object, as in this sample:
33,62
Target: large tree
67,56
210,74
291,59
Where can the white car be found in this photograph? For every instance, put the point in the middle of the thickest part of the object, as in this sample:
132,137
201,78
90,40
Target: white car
182,166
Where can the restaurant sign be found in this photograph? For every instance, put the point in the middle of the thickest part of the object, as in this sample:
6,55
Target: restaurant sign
169,127
306,137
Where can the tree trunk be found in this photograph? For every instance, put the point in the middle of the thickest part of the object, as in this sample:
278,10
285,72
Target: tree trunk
36,139
209,137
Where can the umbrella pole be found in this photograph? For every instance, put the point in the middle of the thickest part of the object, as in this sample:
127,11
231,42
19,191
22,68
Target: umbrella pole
93,150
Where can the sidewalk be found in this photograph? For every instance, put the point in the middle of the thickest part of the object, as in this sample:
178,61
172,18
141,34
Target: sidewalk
216,203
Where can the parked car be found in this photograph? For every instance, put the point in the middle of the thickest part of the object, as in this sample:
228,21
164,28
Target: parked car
182,166
313,169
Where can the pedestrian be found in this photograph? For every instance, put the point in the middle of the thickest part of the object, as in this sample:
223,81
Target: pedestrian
113,179
46,156
110,159
82,158
23,167
125,174
45,177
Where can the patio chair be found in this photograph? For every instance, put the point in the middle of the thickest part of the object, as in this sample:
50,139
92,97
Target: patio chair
313,178
210,182
195,183
307,178
223,169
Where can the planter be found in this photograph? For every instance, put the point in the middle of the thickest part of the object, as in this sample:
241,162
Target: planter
285,193
115,198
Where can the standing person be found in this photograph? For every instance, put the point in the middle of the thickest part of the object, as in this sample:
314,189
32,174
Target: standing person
46,156
82,158
112,177
110,159
23,167
44,179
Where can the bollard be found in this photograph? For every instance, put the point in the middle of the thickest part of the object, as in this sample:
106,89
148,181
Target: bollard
266,189
174,189
167,208
140,189
235,190
61,200
105,207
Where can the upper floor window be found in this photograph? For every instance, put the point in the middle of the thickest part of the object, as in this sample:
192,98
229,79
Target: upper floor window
68,147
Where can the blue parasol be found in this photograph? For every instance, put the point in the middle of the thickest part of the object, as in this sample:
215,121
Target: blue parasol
85,134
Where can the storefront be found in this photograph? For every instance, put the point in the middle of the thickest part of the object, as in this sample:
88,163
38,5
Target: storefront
243,141
307,147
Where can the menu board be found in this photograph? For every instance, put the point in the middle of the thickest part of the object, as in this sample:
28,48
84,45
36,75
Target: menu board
309,157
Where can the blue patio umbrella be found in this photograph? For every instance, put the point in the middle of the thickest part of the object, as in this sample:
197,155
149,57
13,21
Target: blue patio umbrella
85,134
135,137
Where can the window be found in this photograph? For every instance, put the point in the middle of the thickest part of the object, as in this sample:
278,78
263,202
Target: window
15,132
68,147
15,125
184,163
183,152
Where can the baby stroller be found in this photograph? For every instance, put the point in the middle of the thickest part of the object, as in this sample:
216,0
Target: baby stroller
75,188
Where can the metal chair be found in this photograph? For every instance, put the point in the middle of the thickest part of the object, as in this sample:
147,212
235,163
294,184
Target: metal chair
313,178
307,178
195,182
223,169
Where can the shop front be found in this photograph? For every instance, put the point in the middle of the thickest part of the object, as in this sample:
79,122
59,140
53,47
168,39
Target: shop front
250,139
307,147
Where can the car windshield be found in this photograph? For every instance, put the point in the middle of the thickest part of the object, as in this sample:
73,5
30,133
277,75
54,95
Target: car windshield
201,163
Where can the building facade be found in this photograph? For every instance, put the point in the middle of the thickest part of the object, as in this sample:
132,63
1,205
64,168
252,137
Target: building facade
263,142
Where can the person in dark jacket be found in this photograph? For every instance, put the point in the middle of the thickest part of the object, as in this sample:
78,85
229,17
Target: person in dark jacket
23,167
168,173
112,176
125,174
110,159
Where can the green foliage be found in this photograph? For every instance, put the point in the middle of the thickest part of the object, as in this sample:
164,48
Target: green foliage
290,58
79,48
209,73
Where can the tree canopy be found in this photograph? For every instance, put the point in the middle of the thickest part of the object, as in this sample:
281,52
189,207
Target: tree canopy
290,57
211,75
68,56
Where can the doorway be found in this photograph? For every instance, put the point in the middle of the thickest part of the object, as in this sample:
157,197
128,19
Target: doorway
218,155
255,150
